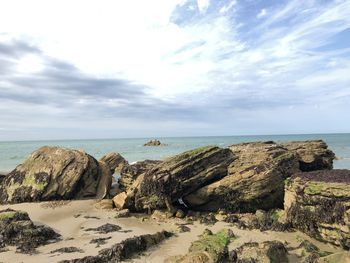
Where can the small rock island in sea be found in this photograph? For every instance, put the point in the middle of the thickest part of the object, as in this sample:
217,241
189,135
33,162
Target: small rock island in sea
249,202
154,143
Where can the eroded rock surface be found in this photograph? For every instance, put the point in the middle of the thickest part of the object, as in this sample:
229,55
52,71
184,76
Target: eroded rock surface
265,252
129,173
180,175
125,249
255,180
16,229
115,162
53,173
312,155
318,203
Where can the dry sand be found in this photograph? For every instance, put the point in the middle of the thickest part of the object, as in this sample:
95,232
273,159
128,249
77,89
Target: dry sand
63,218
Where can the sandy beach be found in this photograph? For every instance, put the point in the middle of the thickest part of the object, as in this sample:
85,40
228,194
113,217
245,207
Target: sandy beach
72,218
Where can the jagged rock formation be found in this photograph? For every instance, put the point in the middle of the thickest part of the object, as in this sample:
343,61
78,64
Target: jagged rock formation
210,248
125,249
154,143
268,251
318,203
176,177
312,155
114,161
53,173
255,180
16,229
129,173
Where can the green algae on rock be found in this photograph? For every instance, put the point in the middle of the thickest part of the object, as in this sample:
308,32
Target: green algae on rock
318,203
16,229
208,248
53,173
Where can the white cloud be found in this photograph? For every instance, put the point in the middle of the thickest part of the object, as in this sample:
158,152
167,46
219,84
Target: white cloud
203,5
262,13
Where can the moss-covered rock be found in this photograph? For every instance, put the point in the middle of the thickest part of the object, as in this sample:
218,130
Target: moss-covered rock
53,173
255,180
318,203
209,248
16,229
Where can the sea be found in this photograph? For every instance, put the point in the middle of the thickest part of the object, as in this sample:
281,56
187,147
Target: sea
13,153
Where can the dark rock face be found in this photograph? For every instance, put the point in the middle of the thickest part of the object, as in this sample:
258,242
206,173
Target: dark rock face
318,203
129,173
268,251
2,177
16,229
125,249
106,228
53,173
154,143
114,161
180,175
255,180
312,155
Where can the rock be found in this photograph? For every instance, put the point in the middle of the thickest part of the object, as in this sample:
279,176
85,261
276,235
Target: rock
209,248
2,177
154,143
106,204
124,250
105,229
180,213
208,219
53,173
100,241
255,180
122,213
129,173
16,229
318,203
67,250
179,176
268,251
114,161
312,155
182,228
120,200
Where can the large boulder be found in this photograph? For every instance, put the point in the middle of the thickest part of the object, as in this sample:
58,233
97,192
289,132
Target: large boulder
114,161
318,203
16,229
176,177
255,180
180,175
312,155
53,173
129,173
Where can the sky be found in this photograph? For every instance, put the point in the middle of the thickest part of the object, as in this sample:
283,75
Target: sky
113,69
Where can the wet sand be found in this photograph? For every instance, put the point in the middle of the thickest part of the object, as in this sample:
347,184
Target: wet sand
71,218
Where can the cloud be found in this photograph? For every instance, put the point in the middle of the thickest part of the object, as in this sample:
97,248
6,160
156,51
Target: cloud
262,13
172,70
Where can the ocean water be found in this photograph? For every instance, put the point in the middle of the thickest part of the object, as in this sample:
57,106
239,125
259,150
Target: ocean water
13,153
